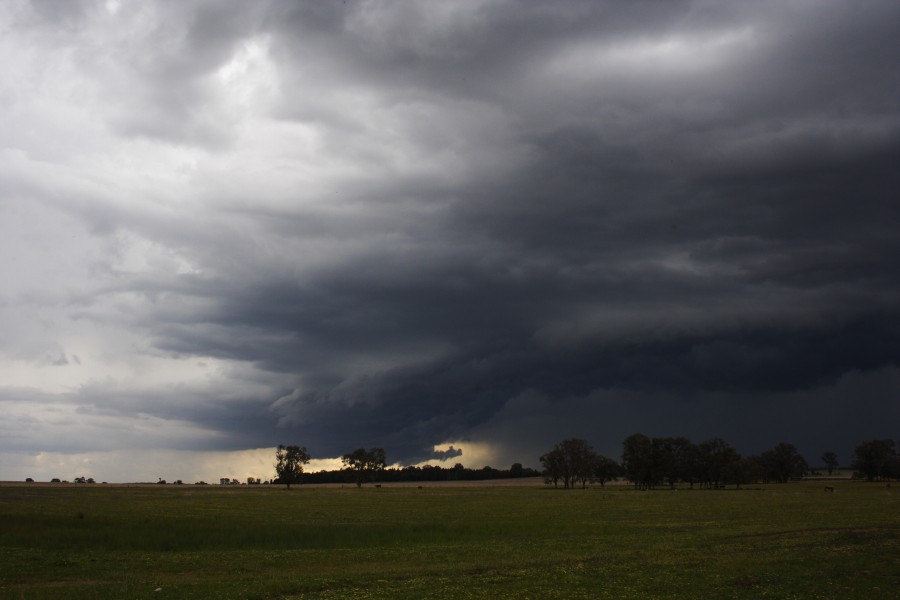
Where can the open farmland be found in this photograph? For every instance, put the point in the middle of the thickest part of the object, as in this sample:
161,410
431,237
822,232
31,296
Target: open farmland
776,541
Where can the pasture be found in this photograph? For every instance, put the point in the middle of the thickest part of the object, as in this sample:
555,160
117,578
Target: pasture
774,541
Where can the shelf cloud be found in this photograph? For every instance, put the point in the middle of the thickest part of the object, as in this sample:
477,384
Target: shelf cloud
425,225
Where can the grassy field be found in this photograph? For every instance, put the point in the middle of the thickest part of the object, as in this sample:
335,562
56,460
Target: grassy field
778,541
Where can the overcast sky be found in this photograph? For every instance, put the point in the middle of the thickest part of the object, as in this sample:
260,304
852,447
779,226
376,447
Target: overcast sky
485,224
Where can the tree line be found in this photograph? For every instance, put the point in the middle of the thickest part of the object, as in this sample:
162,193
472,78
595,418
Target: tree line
667,461
414,474
361,466
646,462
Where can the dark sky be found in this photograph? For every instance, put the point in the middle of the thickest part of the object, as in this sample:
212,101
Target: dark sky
491,225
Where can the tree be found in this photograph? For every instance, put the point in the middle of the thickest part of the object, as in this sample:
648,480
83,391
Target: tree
875,459
783,463
742,471
365,463
830,460
289,461
715,458
580,459
672,458
637,460
553,464
649,461
571,460
605,469
690,464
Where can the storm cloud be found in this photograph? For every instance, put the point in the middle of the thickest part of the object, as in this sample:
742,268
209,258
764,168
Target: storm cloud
228,225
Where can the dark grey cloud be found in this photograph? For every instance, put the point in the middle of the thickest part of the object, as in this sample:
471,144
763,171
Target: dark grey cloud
407,225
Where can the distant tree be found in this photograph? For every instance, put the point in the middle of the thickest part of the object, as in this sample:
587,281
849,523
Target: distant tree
516,470
289,461
830,460
650,461
637,460
690,464
571,461
364,464
605,469
664,462
29,480
715,458
893,467
580,459
553,464
743,471
55,480
875,459
672,458
783,463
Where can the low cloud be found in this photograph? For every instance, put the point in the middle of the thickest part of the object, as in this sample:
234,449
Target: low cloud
451,452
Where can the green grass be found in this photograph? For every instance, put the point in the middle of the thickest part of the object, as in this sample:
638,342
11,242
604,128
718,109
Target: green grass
779,541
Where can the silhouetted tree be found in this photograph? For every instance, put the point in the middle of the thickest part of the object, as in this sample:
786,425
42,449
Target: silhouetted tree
783,463
455,474
571,460
743,471
364,464
690,464
830,460
875,459
553,464
671,458
715,457
580,459
637,460
605,469
289,461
